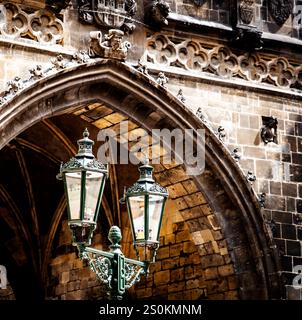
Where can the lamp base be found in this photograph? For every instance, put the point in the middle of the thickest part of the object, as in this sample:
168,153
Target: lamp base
146,252
82,233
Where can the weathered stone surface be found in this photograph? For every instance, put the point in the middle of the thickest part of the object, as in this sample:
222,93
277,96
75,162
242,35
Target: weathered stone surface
195,241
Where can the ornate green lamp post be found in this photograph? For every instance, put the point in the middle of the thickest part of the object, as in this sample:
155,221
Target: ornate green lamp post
84,180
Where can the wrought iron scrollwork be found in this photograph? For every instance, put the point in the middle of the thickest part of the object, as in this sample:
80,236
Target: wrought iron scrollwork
101,266
132,274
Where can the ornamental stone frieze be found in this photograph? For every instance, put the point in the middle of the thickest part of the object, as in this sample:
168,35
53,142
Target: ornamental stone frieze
42,26
203,58
117,14
38,72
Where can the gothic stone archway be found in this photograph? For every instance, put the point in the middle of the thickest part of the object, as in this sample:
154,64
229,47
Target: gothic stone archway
140,99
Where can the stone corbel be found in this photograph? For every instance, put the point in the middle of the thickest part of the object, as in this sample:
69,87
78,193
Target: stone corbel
248,38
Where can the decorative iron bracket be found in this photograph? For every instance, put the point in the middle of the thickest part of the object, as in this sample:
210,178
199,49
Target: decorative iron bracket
112,268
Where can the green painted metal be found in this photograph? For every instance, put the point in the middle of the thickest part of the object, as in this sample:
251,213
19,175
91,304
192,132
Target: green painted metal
83,162
112,268
145,187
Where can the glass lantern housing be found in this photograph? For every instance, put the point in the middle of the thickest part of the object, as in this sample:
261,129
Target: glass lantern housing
84,181
145,203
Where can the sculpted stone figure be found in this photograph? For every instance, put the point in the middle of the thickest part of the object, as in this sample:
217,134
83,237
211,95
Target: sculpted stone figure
156,13
112,47
269,130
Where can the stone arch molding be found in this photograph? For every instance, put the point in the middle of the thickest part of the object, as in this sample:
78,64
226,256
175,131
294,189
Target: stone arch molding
134,94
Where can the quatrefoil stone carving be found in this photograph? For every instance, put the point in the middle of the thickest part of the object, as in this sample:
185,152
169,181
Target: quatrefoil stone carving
46,27
13,22
42,25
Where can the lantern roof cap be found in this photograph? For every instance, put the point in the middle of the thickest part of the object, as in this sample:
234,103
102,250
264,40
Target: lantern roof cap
146,183
84,159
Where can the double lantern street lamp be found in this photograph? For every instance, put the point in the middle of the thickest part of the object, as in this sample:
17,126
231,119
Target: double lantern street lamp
84,181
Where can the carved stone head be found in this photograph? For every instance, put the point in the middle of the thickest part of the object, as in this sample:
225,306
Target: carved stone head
115,38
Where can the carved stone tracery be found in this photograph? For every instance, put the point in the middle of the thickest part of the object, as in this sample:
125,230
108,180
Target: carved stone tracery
198,57
42,25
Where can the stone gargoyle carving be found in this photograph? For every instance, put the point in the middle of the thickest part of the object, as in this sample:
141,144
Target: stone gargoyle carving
111,47
156,13
269,130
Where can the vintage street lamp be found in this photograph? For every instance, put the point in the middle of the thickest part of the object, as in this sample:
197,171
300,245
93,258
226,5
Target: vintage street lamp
84,180
145,203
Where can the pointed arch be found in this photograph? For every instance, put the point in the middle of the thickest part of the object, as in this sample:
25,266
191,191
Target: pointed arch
136,96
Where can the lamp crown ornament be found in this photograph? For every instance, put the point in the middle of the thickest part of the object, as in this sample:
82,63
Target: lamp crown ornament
85,146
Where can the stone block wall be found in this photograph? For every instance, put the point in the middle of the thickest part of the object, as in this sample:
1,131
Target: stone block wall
278,167
190,264
182,273
212,10
68,277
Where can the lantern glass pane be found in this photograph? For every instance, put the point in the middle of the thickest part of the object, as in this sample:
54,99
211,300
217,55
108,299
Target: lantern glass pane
137,206
155,210
93,189
73,184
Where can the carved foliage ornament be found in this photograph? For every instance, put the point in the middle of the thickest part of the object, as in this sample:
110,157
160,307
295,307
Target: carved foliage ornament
280,10
42,25
112,14
198,57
